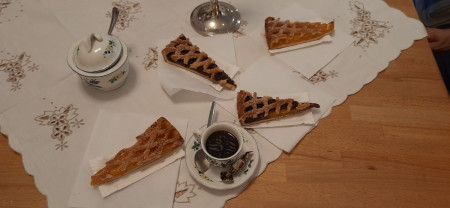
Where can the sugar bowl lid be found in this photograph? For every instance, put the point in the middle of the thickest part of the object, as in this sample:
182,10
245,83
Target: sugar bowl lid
97,53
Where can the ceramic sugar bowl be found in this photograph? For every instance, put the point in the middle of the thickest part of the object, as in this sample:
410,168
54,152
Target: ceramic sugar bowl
100,60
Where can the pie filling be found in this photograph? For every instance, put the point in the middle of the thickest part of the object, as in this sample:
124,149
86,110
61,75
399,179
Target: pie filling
205,67
253,109
158,140
191,61
280,34
272,114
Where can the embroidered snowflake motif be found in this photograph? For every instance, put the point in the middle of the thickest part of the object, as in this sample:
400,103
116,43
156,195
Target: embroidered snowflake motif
61,121
185,192
77,123
61,146
365,30
33,67
320,76
15,68
127,11
151,58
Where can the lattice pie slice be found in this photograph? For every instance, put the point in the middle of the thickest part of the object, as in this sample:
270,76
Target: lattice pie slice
181,53
157,141
252,109
280,34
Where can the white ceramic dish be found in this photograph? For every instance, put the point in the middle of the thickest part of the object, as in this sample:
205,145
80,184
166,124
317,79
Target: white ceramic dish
97,53
222,126
211,178
107,80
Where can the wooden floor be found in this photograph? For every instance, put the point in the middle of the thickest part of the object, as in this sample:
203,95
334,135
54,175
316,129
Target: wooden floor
386,146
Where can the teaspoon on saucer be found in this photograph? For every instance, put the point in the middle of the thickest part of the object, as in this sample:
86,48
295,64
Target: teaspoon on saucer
200,160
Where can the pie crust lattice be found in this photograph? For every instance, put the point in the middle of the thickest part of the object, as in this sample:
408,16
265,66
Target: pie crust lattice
253,109
157,141
280,34
181,53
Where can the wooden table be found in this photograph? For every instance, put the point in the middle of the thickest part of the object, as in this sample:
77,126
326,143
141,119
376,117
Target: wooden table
386,146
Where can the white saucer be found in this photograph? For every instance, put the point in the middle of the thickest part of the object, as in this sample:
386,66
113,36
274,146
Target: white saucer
211,178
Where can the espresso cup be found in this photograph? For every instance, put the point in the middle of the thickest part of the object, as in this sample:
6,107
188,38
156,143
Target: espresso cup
222,143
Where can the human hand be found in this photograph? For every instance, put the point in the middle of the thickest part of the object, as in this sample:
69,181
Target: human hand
439,39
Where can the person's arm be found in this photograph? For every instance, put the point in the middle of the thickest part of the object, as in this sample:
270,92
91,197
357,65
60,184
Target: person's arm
439,39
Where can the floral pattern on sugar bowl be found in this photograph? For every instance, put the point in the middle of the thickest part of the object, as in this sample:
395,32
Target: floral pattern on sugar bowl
92,82
110,48
108,82
105,79
100,83
97,53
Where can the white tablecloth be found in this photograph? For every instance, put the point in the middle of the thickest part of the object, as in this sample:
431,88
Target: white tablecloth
37,34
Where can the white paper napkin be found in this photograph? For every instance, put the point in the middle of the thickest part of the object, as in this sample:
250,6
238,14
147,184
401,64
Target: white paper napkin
309,60
112,132
110,187
277,79
302,118
220,48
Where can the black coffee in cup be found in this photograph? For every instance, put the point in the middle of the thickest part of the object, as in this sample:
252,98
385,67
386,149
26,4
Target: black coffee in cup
221,144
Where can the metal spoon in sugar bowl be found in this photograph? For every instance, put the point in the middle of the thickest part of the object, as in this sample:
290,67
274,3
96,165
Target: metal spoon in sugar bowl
114,16
101,60
201,162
